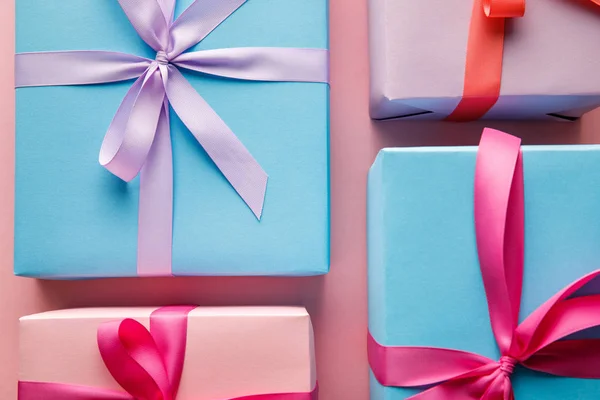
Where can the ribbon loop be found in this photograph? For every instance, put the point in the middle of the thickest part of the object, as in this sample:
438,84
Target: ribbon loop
148,19
131,134
133,359
545,321
147,363
499,229
168,9
504,8
570,358
186,31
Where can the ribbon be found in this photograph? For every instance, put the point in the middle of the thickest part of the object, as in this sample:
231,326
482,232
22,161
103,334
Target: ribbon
138,139
146,363
485,50
538,343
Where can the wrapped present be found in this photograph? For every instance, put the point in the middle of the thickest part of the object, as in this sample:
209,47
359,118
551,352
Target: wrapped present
483,280
495,59
217,155
175,353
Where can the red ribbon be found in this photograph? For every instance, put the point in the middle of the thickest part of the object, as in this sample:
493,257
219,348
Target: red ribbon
485,50
537,342
146,363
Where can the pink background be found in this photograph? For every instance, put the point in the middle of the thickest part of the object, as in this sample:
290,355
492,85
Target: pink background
337,302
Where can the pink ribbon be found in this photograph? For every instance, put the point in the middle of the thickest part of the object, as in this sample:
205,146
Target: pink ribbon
138,139
146,363
538,343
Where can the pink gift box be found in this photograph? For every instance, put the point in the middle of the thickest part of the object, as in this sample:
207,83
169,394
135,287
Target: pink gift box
418,52
230,352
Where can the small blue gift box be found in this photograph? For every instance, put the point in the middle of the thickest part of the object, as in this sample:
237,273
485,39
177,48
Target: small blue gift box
73,219
425,284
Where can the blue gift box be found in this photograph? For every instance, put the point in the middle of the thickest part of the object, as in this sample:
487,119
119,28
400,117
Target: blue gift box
425,285
74,219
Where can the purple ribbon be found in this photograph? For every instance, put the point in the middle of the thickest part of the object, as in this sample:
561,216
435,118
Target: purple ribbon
138,139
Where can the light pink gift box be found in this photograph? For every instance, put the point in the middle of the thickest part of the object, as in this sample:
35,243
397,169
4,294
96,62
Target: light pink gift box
418,51
231,351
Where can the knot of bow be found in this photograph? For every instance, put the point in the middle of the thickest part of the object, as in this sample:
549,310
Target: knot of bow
542,342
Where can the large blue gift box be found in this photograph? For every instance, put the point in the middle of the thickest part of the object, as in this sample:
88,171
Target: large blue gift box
425,284
73,219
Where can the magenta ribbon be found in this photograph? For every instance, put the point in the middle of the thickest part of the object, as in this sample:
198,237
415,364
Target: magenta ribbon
146,363
538,343
138,139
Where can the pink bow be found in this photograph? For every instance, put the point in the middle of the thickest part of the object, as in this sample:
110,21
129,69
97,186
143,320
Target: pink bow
536,342
146,363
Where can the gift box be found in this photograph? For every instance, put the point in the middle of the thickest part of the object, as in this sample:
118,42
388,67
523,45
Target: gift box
496,59
427,260
208,352
73,219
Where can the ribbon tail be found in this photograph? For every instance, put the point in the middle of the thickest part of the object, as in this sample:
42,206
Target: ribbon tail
421,366
63,391
232,158
155,215
59,68
260,63
198,20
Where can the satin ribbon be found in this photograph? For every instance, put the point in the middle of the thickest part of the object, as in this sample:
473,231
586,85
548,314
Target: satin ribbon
146,363
138,139
538,343
485,50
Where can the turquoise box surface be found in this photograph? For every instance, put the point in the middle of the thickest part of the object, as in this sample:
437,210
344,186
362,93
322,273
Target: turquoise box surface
74,219
425,286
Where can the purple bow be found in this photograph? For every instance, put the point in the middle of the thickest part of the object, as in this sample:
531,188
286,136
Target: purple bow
138,139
